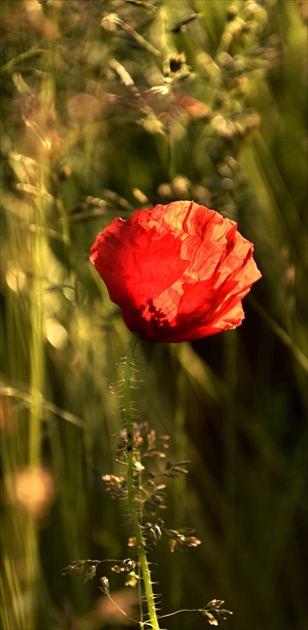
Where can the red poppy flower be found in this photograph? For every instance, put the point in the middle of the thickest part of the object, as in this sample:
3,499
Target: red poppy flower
178,272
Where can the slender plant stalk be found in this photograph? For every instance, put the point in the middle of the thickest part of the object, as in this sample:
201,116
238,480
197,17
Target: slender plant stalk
140,544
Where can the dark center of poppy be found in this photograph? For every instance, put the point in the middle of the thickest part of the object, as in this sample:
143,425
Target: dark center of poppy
157,317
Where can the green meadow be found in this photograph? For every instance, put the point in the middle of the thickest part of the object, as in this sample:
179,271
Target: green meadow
108,106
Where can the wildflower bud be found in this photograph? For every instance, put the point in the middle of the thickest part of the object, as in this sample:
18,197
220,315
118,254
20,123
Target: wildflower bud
104,585
231,13
64,173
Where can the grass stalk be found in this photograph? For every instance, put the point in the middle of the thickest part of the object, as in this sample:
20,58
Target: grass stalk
140,544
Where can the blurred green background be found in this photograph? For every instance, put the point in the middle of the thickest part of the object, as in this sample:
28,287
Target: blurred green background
109,106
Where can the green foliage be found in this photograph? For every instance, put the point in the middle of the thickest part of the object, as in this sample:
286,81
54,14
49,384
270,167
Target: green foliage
108,105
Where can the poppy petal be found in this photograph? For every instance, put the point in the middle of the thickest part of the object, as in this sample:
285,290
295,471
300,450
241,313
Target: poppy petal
178,272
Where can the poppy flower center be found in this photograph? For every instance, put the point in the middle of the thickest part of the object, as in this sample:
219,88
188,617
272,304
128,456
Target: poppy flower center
155,315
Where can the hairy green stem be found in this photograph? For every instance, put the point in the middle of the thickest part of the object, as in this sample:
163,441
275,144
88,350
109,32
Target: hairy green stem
131,490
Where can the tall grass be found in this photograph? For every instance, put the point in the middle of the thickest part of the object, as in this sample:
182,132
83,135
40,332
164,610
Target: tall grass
108,106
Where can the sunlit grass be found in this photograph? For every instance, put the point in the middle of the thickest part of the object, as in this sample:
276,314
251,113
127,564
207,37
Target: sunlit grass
98,119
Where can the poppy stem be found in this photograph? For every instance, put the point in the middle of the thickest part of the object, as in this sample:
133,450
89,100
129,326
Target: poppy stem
131,490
